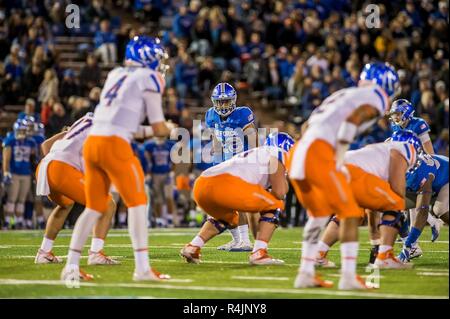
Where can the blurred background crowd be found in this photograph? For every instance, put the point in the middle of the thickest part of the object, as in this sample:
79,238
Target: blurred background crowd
283,57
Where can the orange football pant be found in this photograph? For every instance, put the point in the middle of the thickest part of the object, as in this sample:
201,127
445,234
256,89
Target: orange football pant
324,191
372,192
110,159
66,184
224,195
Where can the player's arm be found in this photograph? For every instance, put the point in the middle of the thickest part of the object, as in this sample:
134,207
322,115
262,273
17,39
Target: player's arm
48,143
348,129
7,154
397,172
426,142
277,179
252,136
424,195
155,115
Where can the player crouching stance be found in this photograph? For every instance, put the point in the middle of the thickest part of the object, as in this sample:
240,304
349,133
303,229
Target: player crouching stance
60,176
239,184
130,94
378,183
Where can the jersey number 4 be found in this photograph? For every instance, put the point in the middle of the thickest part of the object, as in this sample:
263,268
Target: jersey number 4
112,92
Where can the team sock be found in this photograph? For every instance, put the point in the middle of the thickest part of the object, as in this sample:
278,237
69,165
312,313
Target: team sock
81,232
47,244
384,248
349,254
198,241
322,247
236,234
413,236
432,220
308,259
137,226
97,244
243,233
259,244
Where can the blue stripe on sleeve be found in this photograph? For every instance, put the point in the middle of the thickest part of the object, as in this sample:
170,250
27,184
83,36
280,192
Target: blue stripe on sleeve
158,88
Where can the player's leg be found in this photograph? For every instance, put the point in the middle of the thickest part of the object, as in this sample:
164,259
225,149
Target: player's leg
440,210
25,184
12,193
373,220
329,238
125,172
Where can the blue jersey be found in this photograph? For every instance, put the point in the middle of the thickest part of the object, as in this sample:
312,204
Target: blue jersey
416,124
229,131
160,156
436,165
201,151
138,150
21,151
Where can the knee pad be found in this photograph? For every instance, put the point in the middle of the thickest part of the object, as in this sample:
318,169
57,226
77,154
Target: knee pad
335,219
399,221
273,220
440,209
20,208
219,225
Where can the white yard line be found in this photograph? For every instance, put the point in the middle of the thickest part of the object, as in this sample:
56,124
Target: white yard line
259,278
17,282
437,274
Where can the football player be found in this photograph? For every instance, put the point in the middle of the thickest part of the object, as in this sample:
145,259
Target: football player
402,117
131,93
60,176
157,151
234,132
18,150
378,185
319,177
428,181
240,184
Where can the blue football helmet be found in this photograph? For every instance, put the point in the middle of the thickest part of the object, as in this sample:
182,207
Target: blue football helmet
20,129
147,52
282,141
223,98
402,111
384,75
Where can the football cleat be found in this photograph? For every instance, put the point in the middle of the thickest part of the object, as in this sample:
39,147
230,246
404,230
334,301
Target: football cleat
43,257
150,275
72,273
436,230
416,251
323,261
309,280
228,245
387,260
352,282
191,254
405,255
100,258
261,257
242,246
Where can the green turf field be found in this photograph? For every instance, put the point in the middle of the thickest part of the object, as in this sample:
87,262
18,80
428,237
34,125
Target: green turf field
221,275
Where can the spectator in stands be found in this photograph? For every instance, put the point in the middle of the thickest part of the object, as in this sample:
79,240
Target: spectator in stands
182,23
69,85
29,110
225,54
90,75
58,120
49,86
273,82
47,110
97,12
14,69
186,76
105,43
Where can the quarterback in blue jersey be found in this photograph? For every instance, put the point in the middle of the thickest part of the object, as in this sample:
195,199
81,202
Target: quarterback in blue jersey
428,182
157,151
18,150
402,117
234,132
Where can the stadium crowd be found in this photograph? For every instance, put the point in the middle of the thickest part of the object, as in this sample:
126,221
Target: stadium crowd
282,54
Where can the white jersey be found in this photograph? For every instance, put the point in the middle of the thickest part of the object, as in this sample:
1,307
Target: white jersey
68,150
129,94
375,158
325,121
253,166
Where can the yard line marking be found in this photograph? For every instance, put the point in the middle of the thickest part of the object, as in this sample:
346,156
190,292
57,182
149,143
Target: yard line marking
226,289
363,276
427,269
259,278
438,274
